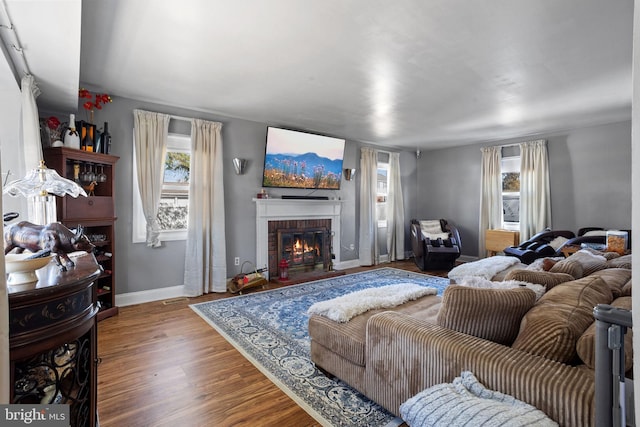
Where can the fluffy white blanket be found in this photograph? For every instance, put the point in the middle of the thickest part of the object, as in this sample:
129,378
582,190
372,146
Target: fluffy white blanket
485,267
480,282
343,308
467,402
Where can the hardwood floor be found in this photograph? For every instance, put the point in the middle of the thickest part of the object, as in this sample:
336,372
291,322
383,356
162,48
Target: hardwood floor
162,365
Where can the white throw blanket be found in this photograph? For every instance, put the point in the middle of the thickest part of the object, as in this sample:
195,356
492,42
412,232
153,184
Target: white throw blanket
466,402
343,308
485,267
479,282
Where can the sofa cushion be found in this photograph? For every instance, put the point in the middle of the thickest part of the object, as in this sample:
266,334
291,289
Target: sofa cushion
552,327
587,342
589,262
615,278
623,261
348,339
544,278
568,266
492,314
626,289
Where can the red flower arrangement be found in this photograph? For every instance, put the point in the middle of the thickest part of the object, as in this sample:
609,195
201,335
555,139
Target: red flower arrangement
95,101
53,123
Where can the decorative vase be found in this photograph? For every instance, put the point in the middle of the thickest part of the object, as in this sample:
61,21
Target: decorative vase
71,138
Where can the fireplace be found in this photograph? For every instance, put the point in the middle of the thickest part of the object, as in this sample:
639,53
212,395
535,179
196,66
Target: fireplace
305,244
285,214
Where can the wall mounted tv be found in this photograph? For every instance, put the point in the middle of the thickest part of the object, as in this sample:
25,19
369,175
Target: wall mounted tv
295,159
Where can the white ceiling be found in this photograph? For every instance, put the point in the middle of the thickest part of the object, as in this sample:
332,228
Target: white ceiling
405,73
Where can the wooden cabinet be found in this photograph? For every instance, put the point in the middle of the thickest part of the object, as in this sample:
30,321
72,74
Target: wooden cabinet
496,240
52,340
95,213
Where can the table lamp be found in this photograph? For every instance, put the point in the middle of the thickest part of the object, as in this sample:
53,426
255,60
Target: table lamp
39,186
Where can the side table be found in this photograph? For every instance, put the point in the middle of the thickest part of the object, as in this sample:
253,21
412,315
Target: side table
496,240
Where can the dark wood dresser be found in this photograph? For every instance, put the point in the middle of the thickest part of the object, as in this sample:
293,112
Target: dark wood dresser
52,338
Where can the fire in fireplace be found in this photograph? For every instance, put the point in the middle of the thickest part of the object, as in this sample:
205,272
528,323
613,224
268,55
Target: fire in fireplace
306,249
310,255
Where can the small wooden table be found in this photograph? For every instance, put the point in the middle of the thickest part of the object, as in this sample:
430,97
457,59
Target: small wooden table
496,240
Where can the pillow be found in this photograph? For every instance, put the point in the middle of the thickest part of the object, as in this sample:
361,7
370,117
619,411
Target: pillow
596,233
557,242
568,266
615,278
491,314
467,402
544,278
552,327
586,346
626,289
480,282
432,229
623,261
588,261
543,264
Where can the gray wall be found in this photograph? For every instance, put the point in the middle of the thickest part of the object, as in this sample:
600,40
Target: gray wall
590,174
590,171
141,268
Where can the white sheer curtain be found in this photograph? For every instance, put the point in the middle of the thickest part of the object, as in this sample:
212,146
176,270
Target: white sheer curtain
30,124
206,258
395,211
368,237
490,194
535,197
150,140
32,151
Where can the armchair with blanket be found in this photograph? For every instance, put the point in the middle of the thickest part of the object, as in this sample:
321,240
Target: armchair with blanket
435,244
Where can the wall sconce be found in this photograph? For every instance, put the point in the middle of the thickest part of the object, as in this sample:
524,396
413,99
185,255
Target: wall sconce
239,165
348,174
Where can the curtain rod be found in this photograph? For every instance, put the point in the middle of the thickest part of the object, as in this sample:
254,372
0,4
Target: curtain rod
12,44
186,119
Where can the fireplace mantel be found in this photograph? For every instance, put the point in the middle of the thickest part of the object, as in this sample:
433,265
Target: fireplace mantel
283,209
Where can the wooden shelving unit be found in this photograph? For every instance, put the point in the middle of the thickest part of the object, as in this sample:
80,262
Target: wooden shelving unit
96,213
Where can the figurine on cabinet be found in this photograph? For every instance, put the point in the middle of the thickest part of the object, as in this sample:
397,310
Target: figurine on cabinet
54,238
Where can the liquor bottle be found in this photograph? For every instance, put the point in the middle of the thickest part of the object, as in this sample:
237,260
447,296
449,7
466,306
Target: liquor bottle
105,140
76,173
71,138
87,141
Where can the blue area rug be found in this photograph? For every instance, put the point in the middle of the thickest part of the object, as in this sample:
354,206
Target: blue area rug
270,329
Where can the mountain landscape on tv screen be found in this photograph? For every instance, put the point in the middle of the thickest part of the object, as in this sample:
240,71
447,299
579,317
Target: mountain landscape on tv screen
301,171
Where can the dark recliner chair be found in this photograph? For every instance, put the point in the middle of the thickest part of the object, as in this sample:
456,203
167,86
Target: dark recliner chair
437,251
538,246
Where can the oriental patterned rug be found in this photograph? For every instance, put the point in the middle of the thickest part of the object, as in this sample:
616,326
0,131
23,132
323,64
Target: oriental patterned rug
270,329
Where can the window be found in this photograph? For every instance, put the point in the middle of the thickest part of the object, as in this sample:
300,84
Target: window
510,169
382,187
173,211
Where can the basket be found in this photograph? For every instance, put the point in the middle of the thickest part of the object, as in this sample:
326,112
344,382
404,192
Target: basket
246,280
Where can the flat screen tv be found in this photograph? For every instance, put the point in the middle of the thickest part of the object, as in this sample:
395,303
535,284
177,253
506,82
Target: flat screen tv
295,159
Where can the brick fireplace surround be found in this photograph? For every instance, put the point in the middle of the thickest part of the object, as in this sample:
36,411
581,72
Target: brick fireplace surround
276,210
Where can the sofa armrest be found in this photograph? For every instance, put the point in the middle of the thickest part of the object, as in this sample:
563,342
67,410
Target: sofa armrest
405,355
